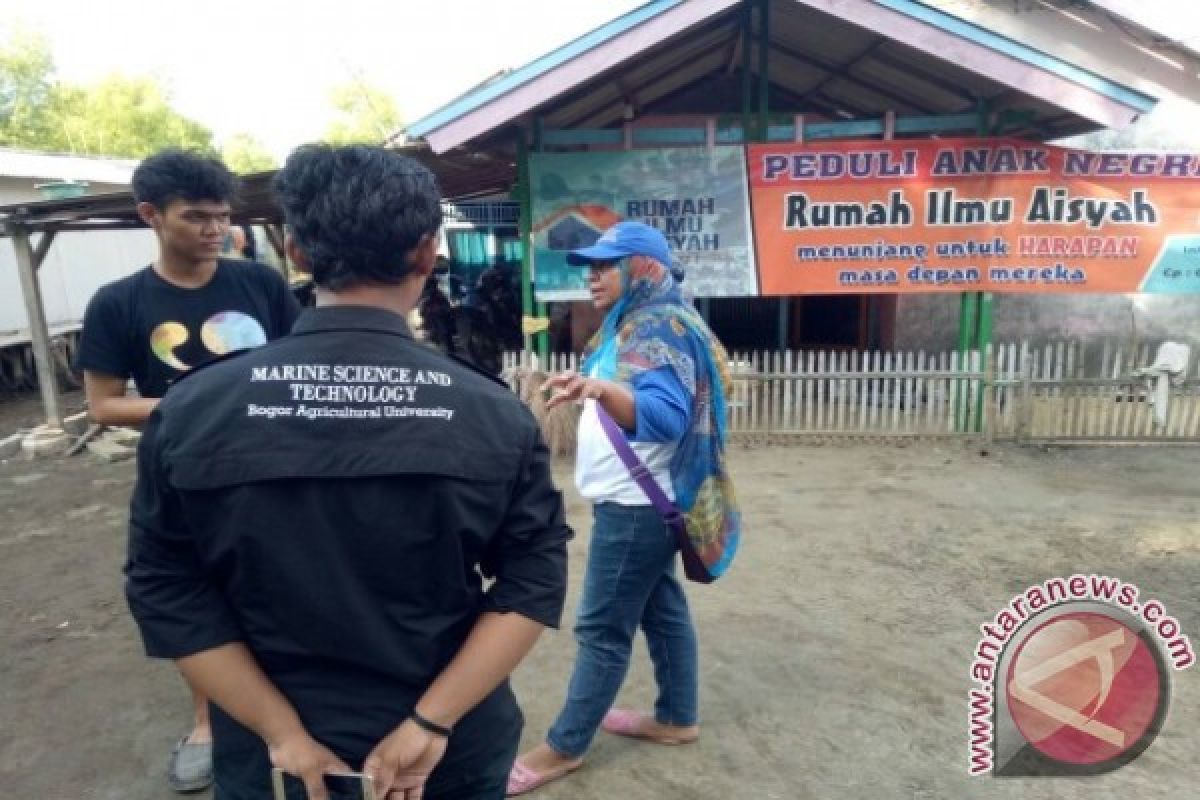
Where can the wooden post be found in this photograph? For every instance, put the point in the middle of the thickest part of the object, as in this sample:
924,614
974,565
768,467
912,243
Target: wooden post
989,407
967,333
28,261
970,309
782,324
525,229
1026,412
983,333
542,339
43,247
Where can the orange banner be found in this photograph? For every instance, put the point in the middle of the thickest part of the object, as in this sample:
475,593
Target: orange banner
997,215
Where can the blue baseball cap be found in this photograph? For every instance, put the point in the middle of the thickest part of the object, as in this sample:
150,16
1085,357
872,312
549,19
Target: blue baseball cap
624,239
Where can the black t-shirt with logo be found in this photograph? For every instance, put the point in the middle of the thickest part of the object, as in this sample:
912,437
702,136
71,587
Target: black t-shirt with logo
153,331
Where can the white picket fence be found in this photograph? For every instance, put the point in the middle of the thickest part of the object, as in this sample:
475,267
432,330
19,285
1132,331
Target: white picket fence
1066,391
1057,392
872,393
811,393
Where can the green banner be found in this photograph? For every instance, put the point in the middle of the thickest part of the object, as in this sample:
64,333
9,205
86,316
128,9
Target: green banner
697,197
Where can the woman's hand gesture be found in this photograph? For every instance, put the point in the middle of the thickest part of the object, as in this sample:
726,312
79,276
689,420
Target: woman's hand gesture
571,387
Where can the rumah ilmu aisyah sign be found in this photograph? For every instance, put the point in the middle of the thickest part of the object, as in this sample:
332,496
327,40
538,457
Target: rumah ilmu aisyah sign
696,196
853,217
973,215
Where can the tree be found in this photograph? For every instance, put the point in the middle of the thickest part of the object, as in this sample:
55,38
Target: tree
365,115
26,91
124,116
119,116
244,154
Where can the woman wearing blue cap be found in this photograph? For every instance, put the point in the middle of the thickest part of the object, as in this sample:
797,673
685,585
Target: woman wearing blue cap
653,382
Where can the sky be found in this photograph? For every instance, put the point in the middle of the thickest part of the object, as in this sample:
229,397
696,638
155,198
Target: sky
266,67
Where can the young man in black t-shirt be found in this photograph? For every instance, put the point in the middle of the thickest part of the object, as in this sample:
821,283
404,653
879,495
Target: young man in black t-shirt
185,309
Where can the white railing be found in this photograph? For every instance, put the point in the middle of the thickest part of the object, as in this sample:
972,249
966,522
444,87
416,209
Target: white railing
1057,392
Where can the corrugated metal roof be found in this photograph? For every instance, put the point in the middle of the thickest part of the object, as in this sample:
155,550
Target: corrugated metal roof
55,167
822,60
1021,51
255,203
1158,18
833,68
459,175
1147,45
509,80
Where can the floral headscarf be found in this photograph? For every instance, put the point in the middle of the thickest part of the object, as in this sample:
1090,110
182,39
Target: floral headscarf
651,326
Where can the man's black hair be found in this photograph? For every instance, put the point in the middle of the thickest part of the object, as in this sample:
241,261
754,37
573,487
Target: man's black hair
357,212
179,175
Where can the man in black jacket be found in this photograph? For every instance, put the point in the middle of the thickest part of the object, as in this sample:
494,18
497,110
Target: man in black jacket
313,519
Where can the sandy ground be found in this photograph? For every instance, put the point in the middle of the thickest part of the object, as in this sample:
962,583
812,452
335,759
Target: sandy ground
834,656
24,410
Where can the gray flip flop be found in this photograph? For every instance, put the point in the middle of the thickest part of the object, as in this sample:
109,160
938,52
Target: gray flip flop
191,766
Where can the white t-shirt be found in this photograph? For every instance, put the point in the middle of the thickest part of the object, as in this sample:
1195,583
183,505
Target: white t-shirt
601,476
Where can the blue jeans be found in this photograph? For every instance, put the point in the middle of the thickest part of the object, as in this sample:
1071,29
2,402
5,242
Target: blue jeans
630,580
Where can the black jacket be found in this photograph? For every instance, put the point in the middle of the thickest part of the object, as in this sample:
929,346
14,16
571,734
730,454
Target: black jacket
330,499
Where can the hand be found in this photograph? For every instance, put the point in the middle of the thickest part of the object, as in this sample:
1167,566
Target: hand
401,763
572,387
302,756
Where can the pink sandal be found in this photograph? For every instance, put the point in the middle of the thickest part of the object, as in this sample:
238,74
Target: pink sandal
623,722
522,779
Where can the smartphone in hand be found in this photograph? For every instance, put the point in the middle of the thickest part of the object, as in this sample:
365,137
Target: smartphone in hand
341,786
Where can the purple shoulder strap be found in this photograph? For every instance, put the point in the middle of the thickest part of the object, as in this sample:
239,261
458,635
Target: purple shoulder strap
693,567
640,473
